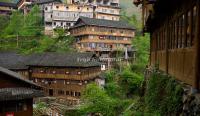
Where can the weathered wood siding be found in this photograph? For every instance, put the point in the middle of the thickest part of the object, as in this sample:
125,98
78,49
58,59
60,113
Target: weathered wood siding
175,43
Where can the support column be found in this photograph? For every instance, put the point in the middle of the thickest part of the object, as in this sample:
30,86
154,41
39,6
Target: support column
197,47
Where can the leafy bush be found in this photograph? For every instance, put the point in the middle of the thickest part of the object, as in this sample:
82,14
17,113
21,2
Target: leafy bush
130,81
163,94
97,101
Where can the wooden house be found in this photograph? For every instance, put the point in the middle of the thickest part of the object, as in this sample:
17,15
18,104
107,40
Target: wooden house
175,44
98,35
7,8
64,75
16,94
104,37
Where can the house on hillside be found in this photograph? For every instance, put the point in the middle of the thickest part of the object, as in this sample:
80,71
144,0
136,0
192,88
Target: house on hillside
26,5
104,37
175,43
16,94
64,15
64,75
60,15
7,8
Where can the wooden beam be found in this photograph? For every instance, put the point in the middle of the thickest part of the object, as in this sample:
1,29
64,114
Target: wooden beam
197,46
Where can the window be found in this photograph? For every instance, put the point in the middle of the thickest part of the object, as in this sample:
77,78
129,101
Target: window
188,29
61,92
67,93
57,7
113,18
183,31
112,11
112,31
176,35
194,19
91,37
180,30
78,8
46,8
104,10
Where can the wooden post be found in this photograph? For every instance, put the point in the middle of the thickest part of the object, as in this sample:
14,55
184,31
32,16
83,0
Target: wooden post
167,36
197,48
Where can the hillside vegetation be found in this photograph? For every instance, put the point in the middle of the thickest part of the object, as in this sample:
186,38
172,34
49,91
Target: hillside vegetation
25,34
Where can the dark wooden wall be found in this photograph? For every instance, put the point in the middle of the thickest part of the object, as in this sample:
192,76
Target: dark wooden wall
175,42
27,112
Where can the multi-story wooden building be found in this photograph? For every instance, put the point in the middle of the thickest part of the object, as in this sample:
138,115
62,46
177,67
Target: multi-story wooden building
16,94
107,12
102,36
7,8
175,43
65,15
64,75
60,74
26,5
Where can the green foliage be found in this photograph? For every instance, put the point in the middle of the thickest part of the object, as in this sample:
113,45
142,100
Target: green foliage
97,101
163,94
142,45
41,105
6,0
113,89
15,24
132,20
24,33
110,75
130,81
24,25
4,21
32,24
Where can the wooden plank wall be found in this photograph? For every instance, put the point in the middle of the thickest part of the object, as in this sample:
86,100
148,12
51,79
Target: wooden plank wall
174,45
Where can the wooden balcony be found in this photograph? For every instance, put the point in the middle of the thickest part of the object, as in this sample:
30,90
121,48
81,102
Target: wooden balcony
106,41
65,76
90,32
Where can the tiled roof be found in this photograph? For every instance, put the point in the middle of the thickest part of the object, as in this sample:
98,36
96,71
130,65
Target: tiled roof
17,76
19,93
63,60
8,4
45,1
14,61
103,23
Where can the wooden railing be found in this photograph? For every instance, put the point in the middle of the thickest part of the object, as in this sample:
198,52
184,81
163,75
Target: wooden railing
65,76
90,32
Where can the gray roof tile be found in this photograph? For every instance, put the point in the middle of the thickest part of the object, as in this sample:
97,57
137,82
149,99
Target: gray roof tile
103,23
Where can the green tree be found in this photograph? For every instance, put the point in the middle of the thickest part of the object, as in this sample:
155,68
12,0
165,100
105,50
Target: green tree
97,101
132,20
130,81
4,21
142,45
32,24
15,25
7,1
